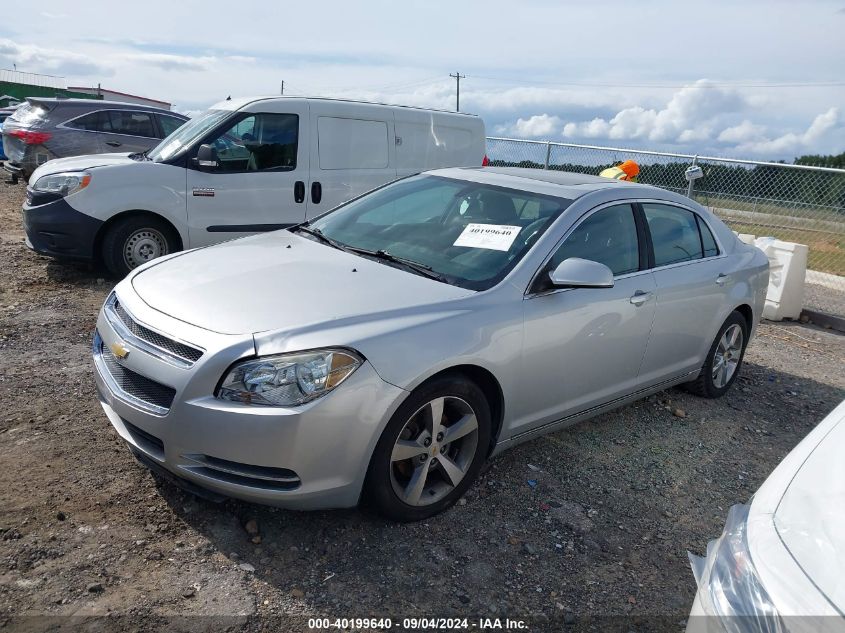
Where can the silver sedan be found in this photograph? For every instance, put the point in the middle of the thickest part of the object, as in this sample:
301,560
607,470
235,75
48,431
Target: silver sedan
384,350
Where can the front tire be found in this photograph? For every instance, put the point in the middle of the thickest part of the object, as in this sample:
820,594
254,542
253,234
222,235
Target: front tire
723,360
135,240
431,450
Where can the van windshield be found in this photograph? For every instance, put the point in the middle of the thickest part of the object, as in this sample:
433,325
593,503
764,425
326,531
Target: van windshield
460,232
186,135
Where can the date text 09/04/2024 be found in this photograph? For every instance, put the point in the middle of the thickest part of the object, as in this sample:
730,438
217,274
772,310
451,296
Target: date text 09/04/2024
409,624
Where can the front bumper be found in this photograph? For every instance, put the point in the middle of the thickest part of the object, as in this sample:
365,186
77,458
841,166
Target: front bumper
306,457
56,229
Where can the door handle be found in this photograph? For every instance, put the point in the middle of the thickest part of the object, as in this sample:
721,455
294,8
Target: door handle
298,191
114,143
316,192
721,279
640,297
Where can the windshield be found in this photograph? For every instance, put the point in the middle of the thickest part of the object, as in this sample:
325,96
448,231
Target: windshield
187,134
470,234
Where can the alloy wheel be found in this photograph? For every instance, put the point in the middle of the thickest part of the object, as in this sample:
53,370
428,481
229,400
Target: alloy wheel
434,451
727,356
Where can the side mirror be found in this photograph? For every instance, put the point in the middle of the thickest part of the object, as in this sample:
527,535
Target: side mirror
581,273
207,157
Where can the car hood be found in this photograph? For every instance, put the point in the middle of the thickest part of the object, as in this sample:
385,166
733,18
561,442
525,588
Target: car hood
811,514
78,163
280,281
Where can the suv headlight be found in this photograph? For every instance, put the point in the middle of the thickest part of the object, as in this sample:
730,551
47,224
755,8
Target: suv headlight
728,585
288,379
62,184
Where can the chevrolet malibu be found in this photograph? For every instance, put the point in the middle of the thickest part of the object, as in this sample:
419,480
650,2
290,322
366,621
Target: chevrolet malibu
384,350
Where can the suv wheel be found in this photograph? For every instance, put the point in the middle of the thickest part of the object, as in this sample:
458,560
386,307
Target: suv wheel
723,360
431,451
136,240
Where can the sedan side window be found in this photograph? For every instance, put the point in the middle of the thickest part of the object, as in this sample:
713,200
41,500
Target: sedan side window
169,124
132,123
608,236
674,234
93,122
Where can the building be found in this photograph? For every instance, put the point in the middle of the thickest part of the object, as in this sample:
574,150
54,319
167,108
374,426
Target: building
15,86
114,95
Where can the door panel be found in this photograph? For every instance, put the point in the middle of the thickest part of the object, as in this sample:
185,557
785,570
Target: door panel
584,346
263,164
689,298
352,151
131,131
689,302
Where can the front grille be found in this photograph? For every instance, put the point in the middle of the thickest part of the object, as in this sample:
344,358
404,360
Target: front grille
154,338
136,385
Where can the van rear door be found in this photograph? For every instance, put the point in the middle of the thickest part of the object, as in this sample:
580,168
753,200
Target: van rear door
352,151
260,180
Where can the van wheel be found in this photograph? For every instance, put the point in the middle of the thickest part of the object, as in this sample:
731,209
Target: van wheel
135,240
723,360
431,450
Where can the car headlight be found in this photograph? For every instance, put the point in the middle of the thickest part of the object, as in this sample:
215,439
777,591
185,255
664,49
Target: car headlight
63,184
288,379
728,585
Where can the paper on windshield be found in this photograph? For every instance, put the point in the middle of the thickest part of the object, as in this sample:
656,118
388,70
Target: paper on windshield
497,237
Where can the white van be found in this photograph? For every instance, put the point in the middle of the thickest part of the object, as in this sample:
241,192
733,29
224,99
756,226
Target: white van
244,166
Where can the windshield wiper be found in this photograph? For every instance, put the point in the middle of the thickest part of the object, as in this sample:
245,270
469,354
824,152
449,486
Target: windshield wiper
140,155
417,267
325,239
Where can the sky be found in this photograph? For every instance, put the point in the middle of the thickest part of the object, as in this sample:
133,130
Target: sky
751,79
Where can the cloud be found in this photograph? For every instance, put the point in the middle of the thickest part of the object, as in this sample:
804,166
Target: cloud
167,61
820,130
743,133
50,61
533,127
691,115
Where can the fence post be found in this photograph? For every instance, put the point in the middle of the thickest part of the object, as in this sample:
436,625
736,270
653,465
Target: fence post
548,154
691,182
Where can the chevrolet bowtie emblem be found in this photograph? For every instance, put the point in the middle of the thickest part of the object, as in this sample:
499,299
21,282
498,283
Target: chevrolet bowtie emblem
119,349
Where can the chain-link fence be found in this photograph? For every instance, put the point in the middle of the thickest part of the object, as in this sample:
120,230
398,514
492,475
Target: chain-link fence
794,203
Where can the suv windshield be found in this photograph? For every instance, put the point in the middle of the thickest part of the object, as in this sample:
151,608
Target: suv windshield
187,134
467,234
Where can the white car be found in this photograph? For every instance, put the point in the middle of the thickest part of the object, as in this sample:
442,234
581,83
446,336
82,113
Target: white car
245,166
780,562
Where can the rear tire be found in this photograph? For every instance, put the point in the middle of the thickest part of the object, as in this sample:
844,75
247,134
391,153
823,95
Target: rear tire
418,469
724,359
135,240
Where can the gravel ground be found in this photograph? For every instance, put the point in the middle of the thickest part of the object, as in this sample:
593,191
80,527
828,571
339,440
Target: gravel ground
591,522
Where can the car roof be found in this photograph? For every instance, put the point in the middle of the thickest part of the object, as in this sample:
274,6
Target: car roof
239,102
51,102
563,184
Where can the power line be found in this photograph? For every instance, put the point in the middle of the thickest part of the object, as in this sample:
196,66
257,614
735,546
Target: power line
523,81
458,76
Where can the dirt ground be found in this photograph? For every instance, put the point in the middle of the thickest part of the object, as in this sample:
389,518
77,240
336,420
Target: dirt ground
571,528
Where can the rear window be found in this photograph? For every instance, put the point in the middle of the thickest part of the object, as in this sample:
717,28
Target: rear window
29,113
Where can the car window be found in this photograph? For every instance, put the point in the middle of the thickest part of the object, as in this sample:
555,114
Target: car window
674,234
608,236
707,241
93,122
259,142
169,124
132,123
471,233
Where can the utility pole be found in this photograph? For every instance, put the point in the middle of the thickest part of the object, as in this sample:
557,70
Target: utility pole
283,87
458,76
